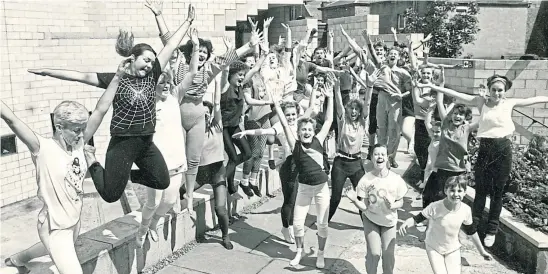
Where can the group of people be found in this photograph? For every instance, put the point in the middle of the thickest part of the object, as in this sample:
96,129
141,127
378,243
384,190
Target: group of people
285,95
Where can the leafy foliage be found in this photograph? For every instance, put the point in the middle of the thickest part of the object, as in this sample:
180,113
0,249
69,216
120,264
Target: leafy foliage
527,191
450,29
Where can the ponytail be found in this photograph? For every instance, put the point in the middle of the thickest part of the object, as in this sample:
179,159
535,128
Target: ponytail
125,47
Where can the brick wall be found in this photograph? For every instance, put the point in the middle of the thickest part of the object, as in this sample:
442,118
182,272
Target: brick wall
80,35
353,25
530,78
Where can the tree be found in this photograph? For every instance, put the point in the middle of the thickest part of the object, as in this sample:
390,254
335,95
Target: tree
451,29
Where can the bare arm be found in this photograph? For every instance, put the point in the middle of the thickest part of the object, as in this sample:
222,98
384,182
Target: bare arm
185,84
266,26
466,98
529,101
21,130
371,50
287,129
328,112
353,44
217,101
254,102
88,78
156,7
174,41
330,38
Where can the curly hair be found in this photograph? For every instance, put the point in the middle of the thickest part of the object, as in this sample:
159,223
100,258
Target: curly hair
69,113
358,104
236,67
463,109
124,45
187,49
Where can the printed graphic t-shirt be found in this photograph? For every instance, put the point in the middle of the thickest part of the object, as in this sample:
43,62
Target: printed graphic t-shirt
374,188
134,105
60,177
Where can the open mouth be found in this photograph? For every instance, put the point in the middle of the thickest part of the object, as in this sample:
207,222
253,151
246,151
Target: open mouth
380,161
201,58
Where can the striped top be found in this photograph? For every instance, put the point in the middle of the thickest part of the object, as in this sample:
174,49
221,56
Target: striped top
206,74
309,160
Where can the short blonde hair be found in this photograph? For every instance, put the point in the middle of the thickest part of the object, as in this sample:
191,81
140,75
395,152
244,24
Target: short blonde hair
305,120
69,113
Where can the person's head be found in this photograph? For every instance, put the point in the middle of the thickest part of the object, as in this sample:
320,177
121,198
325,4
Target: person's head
249,60
380,49
165,85
204,53
291,111
393,56
273,60
354,110
208,109
427,74
236,73
76,166
143,54
380,157
305,129
460,114
319,54
455,188
436,130
70,120
498,85
173,59
342,63
320,78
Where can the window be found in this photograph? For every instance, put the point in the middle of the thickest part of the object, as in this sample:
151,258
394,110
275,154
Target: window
9,145
401,22
294,13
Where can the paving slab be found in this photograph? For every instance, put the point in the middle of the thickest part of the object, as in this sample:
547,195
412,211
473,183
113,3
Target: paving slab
217,260
172,269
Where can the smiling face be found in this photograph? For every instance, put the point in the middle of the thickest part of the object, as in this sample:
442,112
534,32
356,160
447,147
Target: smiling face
393,56
354,111
497,91
458,118
202,55
290,115
381,53
380,157
143,63
250,61
272,60
237,78
455,193
306,132
163,87
426,75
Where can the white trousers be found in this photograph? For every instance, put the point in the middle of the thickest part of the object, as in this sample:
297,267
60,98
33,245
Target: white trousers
305,194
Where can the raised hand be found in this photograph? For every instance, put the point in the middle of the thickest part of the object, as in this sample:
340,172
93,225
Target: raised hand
124,64
365,34
194,37
253,24
228,43
255,38
393,30
426,47
331,33
191,13
285,26
267,22
156,6
427,38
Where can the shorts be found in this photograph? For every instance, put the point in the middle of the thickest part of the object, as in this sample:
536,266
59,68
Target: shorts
213,174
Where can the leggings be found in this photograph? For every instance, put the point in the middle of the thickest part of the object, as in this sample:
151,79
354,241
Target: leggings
389,121
434,190
288,178
193,121
215,174
257,145
305,195
342,169
422,141
122,152
58,244
492,172
159,202
381,241
234,159
373,114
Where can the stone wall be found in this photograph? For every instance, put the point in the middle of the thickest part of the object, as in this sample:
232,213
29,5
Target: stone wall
530,78
80,35
353,25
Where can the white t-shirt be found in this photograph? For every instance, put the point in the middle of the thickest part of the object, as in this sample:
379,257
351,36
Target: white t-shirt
60,176
373,188
170,136
442,234
214,148
280,134
433,149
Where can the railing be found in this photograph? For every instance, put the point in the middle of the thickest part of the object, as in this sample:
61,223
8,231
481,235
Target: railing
535,121
524,131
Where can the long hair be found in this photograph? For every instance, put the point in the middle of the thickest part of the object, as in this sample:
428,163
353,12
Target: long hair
124,45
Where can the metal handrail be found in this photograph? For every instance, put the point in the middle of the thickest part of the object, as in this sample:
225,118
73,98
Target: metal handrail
535,121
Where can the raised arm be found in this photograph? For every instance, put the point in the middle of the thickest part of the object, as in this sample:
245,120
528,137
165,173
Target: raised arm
88,78
523,102
185,84
353,44
217,101
287,129
370,50
395,35
330,38
466,98
174,41
266,27
339,101
21,130
156,7
286,57
105,101
329,111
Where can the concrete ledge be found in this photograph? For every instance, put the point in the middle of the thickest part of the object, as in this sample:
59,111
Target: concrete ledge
110,248
516,241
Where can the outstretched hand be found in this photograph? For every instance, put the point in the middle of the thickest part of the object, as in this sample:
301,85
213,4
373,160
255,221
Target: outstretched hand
267,22
194,37
393,30
125,64
191,13
285,26
156,6
228,43
256,37
253,24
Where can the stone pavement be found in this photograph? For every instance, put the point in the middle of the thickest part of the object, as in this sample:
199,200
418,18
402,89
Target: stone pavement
259,246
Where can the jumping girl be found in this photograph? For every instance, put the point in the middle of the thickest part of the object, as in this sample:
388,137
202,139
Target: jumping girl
378,196
494,162
445,219
308,155
61,165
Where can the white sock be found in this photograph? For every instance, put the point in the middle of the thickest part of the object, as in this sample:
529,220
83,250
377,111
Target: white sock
320,260
253,181
244,182
297,258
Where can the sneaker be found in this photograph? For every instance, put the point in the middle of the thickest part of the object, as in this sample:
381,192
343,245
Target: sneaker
247,190
256,190
489,240
287,235
320,260
226,243
393,162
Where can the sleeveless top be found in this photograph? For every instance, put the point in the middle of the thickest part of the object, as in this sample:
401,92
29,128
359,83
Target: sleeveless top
496,122
453,147
309,160
350,139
